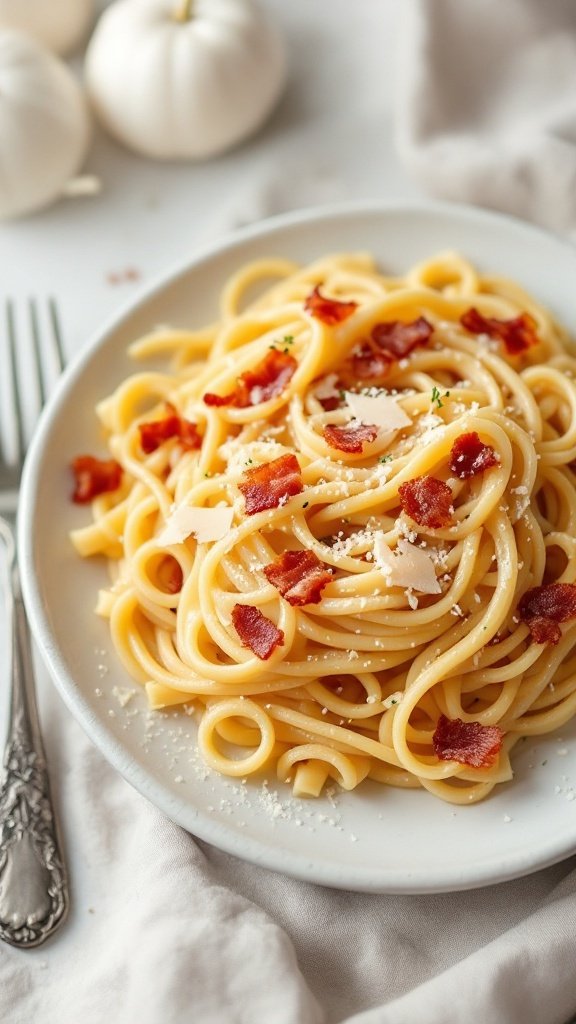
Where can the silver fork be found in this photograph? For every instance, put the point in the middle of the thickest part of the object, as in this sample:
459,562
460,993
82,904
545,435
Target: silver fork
33,885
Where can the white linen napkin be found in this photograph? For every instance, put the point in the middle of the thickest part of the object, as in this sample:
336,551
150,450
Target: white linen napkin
486,104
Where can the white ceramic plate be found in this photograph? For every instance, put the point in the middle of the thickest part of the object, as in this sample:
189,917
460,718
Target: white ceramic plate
375,839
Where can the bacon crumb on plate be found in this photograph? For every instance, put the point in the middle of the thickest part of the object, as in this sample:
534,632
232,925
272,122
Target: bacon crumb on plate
349,439
256,632
94,476
300,577
271,484
469,456
517,334
468,743
428,501
329,311
543,608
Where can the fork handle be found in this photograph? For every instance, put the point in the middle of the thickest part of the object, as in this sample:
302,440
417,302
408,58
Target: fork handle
33,885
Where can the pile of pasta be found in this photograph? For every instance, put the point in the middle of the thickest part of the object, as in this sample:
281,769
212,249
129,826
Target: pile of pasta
341,525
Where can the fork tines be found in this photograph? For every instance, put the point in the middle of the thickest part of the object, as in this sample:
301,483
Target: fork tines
31,360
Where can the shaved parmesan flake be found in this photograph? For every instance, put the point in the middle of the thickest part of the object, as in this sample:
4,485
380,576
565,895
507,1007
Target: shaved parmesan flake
408,566
379,411
207,524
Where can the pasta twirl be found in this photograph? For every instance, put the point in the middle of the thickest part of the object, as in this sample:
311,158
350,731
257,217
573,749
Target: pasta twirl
345,527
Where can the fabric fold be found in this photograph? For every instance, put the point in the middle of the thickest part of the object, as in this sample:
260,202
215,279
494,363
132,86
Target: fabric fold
486,104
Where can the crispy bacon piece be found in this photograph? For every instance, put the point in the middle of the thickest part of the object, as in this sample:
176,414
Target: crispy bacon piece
154,433
368,364
93,477
271,485
268,379
543,608
467,742
329,311
300,576
329,404
544,631
388,342
469,456
516,335
218,400
256,631
398,338
427,501
349,439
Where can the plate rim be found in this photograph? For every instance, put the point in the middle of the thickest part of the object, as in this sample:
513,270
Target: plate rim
358,878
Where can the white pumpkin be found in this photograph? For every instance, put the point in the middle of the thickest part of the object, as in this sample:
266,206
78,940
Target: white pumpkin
184,83
60,24
44,125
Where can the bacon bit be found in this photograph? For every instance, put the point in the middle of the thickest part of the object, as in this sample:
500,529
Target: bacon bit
170,575
211,399
517,334
300,576
329,404
154,433
398,338
469,456
368,364
542,608
329,311
256,631
467,742
272,484
349,439
267,380
388,342
427,501
544,631
93,477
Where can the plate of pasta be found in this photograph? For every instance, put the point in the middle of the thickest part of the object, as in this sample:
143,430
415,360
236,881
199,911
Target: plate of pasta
314,499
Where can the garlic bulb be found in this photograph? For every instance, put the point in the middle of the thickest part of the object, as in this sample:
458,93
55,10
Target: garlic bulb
44,125
185,82
60,24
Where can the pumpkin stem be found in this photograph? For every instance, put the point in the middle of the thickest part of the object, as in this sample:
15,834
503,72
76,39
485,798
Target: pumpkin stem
184,12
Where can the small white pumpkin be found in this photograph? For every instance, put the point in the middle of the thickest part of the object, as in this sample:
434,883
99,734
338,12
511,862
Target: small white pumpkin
60,24
44,125
187,82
